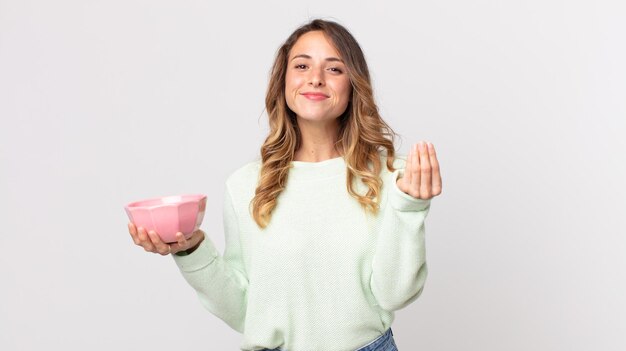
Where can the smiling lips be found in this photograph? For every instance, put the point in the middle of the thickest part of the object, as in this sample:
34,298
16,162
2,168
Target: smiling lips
315,96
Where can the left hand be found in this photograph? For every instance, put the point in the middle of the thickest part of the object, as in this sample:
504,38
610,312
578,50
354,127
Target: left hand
421,178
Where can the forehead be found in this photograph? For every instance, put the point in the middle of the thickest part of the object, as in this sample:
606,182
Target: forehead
314,43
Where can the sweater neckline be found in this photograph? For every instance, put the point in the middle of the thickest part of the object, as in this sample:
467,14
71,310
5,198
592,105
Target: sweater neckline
317,170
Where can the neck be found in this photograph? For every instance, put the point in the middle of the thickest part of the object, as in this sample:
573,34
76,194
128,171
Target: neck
318,141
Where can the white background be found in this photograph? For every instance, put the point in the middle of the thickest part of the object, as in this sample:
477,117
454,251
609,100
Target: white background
106,102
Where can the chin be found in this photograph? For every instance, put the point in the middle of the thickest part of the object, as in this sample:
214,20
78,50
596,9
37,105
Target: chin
310,119
316,118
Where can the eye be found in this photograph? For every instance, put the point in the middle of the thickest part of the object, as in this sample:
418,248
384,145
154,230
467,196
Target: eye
300,66
335,69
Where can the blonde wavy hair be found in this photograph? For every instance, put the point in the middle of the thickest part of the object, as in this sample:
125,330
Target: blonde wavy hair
362,132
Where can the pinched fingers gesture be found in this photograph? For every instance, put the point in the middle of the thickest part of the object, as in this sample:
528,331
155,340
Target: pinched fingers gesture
421,178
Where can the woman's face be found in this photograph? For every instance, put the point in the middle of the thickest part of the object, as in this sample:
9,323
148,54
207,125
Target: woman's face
317,86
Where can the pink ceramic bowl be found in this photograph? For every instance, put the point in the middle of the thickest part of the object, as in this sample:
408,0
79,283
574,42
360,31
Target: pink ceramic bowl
168,215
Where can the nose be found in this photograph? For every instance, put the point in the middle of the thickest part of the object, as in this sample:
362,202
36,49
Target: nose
316,78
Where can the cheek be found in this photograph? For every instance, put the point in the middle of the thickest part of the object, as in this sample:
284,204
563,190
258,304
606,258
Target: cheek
346,90
287,81
291,81
290,86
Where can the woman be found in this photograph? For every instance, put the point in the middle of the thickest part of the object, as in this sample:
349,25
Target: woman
324,236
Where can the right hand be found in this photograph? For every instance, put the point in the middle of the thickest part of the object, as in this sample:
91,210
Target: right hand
151,242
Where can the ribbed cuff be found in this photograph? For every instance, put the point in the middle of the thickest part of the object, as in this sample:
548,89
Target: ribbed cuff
201,257
402,201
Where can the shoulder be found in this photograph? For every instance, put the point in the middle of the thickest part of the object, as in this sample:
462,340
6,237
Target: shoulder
244,175
241,184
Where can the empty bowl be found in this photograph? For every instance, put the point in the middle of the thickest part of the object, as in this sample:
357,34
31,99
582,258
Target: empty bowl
168,215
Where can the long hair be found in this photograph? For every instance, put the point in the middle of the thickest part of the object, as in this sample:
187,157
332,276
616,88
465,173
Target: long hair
362,132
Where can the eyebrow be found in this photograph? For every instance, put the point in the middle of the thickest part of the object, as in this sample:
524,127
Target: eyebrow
333,59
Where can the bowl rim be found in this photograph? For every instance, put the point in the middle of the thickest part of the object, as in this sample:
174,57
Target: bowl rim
190,199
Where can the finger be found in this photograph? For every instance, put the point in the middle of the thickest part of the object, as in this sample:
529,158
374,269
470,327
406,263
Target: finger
142,235
178,245
144,241
160,246
415,172
181,240
425,185
434,163
133,232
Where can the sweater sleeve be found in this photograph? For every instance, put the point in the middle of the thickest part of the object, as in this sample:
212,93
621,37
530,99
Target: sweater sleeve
399,267
219,281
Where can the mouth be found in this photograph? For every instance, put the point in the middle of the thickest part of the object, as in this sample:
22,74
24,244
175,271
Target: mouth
315,96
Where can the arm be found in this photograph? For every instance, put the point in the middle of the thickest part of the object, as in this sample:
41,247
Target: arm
220,281
399,267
